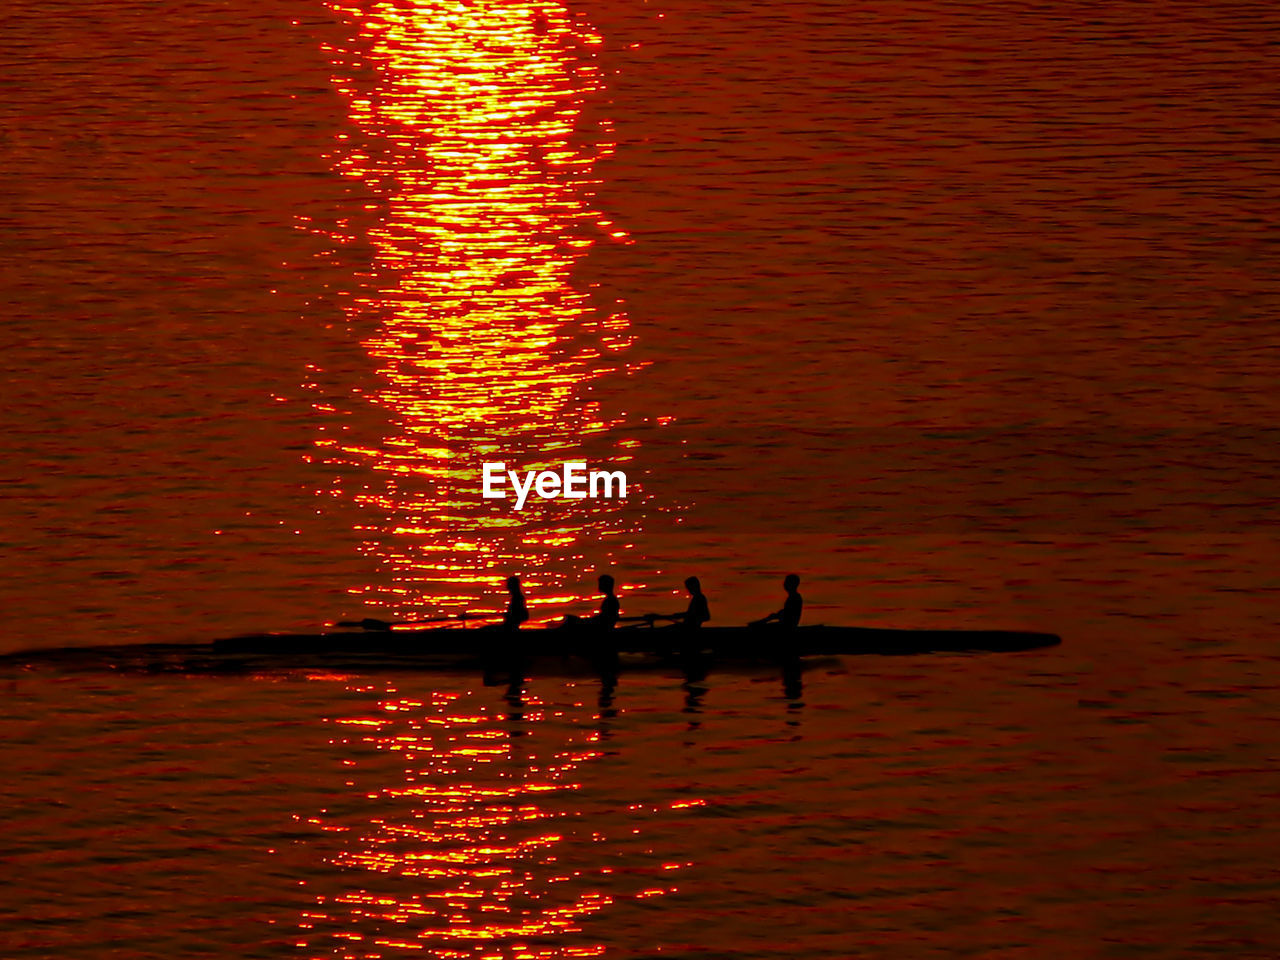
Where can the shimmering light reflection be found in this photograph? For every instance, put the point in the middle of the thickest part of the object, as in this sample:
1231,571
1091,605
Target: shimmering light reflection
482,847
468,119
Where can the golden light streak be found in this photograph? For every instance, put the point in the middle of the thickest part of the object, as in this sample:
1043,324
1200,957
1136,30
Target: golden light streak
468,125
441,853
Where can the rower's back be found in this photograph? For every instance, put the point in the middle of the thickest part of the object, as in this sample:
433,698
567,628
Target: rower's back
790,613
699,612
517,611
610,609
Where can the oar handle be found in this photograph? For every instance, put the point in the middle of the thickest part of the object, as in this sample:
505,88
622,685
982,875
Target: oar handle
649,618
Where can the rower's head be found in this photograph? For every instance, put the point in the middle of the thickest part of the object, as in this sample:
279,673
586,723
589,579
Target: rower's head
513,585
791,583
693,586
606,583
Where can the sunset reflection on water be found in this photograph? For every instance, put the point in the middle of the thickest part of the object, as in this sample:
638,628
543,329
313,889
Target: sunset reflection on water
468,128
484,845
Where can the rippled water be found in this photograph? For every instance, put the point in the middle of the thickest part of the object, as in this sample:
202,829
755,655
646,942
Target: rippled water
965,312
941,806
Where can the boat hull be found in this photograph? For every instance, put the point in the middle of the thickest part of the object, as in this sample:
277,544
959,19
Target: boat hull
725,642
545,651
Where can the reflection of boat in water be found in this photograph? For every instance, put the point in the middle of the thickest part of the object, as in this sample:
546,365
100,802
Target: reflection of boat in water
549,651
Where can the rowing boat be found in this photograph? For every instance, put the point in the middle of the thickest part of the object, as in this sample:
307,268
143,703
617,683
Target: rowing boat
550,651
719,642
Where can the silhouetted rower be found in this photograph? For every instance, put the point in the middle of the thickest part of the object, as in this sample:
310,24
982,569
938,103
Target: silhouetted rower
593,637
517,612
604,652
610,609
607,618
789,616
698,612
502,655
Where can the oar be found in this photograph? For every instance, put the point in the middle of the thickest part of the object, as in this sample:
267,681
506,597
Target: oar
370,623
649,618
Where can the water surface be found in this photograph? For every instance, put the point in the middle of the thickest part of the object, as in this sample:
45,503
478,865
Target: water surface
965,313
